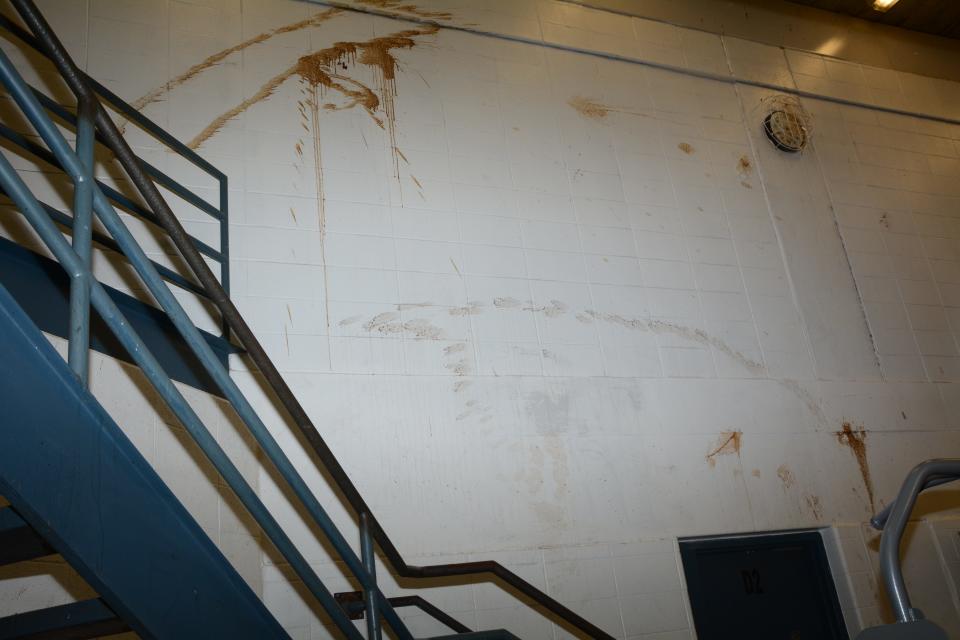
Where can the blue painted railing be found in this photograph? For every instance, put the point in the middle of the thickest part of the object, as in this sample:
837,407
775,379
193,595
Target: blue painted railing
87,139
95,200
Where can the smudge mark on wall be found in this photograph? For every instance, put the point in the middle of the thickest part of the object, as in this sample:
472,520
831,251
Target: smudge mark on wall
506,303
786,476
470,309
689,333
558,308
745,168
686,148
814,505
550,413
211,61
755,473
589,108
553,310
727,444
856,441
813,406
390,323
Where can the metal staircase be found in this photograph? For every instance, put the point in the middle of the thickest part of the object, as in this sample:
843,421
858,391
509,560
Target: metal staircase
79,488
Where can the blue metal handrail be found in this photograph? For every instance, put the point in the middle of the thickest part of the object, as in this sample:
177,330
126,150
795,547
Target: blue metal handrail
219,212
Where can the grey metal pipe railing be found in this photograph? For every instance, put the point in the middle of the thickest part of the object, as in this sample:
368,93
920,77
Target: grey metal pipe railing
924,475
78,354
370,562
879,521
75,79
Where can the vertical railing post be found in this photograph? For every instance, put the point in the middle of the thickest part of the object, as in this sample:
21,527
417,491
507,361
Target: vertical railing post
78,354
370,591
224,249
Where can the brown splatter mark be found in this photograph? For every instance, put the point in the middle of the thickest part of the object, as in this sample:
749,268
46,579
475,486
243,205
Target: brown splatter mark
320,70
416,182
884,221
155,94
686,148
395,5
856,441
786,476
745,168
589,108
903,413
727,444
814,505
755,473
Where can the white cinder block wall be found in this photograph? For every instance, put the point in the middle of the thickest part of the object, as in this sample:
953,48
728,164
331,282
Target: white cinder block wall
558,309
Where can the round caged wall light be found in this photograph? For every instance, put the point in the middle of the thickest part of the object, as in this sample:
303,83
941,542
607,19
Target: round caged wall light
786,123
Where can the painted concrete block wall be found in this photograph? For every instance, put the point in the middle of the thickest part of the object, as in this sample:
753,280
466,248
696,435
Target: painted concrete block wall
558,310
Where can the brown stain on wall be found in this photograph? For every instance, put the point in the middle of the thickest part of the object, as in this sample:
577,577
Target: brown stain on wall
321,71
589,108
786,476
744,166
727,444
856,441
686,147
211,61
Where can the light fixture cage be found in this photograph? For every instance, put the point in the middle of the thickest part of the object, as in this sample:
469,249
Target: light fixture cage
785,122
